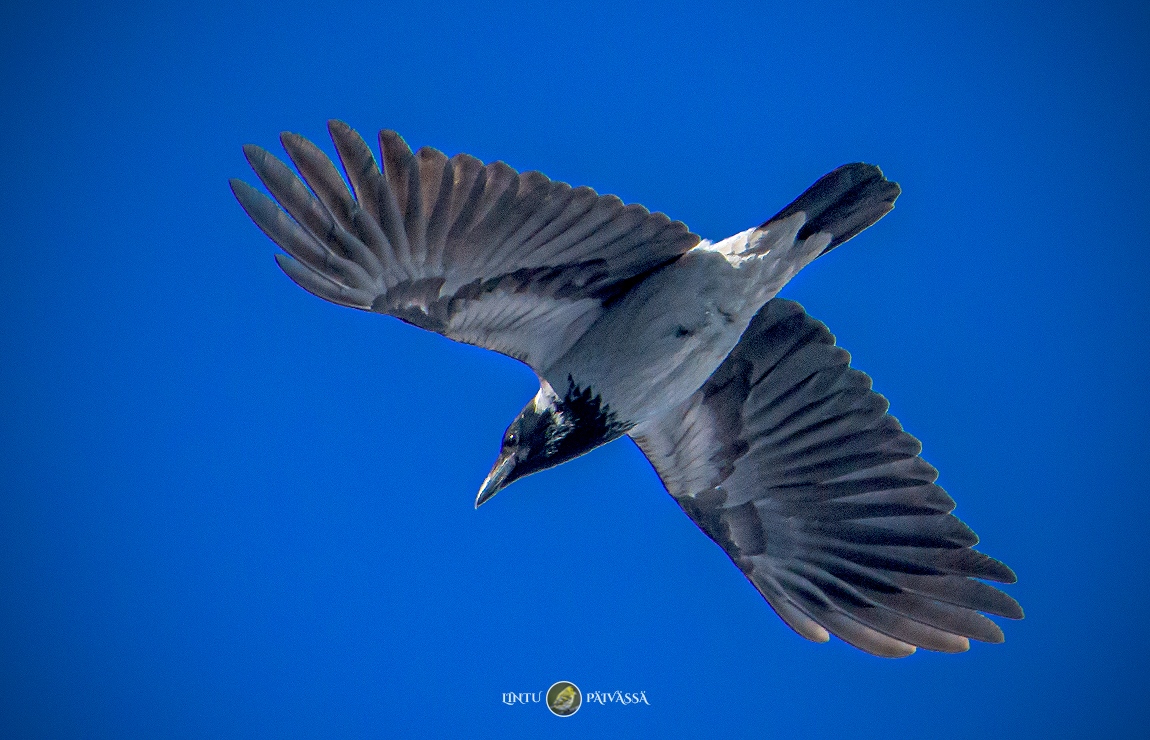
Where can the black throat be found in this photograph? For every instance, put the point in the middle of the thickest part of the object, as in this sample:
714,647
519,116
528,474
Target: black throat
591,422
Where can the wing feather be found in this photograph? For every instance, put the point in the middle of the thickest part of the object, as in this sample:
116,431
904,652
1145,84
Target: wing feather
480,253
789,461
397,166
371,194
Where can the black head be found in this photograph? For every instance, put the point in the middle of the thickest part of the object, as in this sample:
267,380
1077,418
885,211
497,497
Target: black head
536,440
549,431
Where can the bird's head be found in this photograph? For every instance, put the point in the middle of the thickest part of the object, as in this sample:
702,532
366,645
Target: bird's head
535,441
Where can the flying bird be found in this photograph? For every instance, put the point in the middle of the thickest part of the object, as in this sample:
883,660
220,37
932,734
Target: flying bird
750,414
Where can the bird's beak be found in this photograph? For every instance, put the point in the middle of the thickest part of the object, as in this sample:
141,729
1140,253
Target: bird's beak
497,478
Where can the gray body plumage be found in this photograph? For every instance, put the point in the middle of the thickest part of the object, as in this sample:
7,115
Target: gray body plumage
769,441
662,347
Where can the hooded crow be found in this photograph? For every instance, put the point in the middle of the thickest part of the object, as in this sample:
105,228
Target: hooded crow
754,420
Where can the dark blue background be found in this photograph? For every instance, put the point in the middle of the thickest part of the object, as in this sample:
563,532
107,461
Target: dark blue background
230,509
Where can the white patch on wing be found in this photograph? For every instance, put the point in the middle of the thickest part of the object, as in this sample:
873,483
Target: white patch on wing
533,328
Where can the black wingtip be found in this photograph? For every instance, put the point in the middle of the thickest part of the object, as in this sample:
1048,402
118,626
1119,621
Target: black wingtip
1004,605
337,127
343,135
393,145
247,196
996,570
301,150
290,139
255,155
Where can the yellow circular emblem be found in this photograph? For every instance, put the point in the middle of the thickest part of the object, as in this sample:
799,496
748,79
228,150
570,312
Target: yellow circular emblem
564,698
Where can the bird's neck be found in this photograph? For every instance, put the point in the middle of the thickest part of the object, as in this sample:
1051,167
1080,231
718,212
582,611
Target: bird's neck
591,422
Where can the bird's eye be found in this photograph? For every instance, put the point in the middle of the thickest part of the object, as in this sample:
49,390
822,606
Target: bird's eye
512,439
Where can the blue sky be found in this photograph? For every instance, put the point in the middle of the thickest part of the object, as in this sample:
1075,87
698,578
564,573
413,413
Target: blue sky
229,509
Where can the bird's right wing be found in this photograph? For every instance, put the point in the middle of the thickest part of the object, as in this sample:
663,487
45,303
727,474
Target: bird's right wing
509,261
788,460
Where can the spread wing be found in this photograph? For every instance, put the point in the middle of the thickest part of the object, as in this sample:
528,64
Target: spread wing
788,460
510,261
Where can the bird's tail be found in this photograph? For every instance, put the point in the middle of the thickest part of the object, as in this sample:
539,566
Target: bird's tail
840,205
837,207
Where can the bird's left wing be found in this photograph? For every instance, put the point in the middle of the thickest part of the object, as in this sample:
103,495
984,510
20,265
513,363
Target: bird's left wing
788,460
509,261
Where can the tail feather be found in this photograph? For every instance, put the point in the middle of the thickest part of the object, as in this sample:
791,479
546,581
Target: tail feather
842,203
